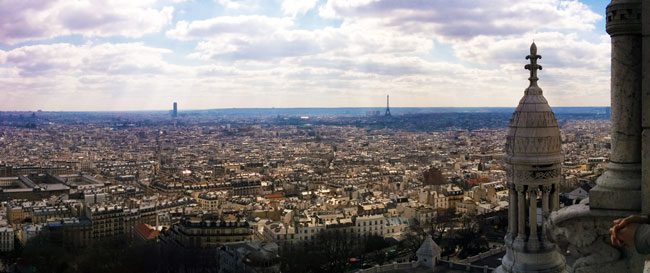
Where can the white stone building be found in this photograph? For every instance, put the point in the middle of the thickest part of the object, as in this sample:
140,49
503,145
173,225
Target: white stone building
6,239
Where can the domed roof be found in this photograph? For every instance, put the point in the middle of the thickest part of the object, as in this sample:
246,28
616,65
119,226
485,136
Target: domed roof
533,133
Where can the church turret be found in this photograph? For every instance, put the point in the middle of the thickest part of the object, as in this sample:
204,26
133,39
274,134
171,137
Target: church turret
533,163
428,254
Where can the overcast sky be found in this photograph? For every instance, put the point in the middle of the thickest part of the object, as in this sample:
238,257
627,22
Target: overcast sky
145,54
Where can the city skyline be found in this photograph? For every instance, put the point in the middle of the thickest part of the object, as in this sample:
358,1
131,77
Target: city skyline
118,55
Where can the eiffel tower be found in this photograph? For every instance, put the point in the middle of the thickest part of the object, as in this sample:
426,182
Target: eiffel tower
387,106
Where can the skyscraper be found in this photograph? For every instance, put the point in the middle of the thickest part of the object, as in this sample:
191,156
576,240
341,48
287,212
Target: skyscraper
533,162
175,110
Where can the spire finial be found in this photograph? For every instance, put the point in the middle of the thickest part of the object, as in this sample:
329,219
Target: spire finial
533,66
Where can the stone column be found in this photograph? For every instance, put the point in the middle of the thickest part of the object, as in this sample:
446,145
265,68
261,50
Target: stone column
545,201
555,200
620,186
521,213
645,119
545,210
533,239
512,211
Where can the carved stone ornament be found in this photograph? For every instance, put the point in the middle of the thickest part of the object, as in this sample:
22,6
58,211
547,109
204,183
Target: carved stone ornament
583,236
530,176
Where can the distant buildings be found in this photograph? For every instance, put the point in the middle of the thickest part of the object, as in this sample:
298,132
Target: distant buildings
249,257
235,185
206,231
107,220
7,239
72,232
34,186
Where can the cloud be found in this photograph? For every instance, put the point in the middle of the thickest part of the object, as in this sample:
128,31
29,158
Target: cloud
243,25
246,37
247,5
279,45
42,19
103,59
295,8
558,50
463,19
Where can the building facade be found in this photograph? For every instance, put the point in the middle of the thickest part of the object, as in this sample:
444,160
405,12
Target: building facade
207,231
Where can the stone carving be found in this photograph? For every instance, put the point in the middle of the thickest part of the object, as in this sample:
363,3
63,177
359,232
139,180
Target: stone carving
529,176
534,119
584,238
545,174
624,17
535,145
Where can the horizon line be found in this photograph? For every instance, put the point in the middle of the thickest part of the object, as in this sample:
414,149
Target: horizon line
271,108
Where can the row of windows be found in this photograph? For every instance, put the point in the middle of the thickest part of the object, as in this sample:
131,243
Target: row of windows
308,230
380,222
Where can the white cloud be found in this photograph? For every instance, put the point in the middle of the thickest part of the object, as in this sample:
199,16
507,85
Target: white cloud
295,8
33,20
246,5
104,59
244,25
462,19
558,50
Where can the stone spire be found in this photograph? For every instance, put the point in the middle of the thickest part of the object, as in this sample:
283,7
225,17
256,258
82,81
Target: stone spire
533,163
533,66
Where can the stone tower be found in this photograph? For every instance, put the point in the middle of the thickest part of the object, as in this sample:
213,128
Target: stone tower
533,160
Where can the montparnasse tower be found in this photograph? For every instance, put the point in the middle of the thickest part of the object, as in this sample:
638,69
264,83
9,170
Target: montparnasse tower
533,161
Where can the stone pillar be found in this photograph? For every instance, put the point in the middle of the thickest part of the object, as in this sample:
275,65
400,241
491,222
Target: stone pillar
645,115
512,211
620,186
521,213
545,201
533,239
555,200
545,209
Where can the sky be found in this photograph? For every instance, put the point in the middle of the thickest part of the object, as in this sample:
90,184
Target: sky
79,55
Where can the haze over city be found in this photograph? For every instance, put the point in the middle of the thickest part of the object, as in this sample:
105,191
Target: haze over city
143,55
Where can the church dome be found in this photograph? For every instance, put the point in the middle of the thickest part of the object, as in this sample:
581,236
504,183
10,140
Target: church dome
533,133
